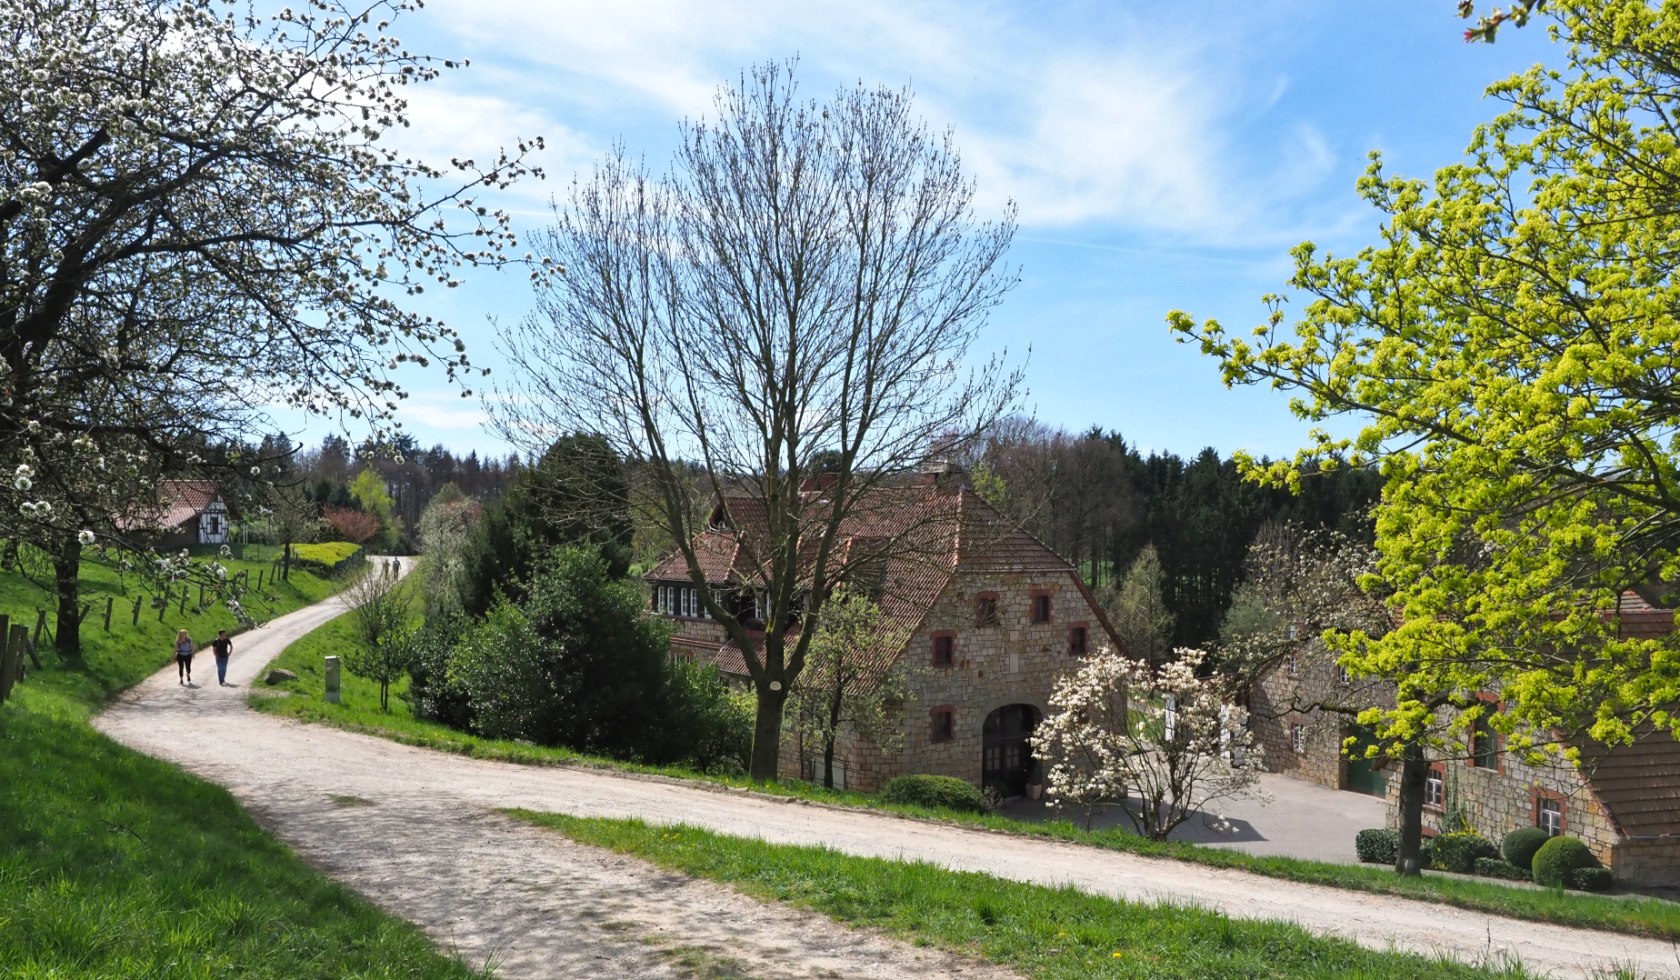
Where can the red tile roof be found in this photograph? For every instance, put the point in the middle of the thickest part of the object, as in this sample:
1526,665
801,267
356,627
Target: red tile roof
924,535
178,501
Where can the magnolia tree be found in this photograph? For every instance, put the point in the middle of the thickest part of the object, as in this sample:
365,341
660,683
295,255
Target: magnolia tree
1164,745
201,213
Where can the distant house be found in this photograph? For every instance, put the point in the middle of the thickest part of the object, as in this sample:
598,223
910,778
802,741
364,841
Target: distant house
1622,802
991,614
186,512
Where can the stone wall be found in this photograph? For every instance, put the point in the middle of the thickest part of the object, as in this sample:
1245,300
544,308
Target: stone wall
1016,661
1647,862
1495,801
1308,677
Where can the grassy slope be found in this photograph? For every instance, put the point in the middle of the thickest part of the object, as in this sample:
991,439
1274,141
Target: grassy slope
1042,932
117,865
360,712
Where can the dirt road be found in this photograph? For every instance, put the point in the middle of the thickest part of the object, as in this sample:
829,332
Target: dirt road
415,831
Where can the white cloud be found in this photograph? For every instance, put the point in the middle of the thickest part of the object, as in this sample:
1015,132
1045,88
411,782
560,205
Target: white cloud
1083,115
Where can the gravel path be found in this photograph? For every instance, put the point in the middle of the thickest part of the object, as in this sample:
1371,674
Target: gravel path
416,832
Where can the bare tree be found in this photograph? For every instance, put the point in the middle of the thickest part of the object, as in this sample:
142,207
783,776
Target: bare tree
797,296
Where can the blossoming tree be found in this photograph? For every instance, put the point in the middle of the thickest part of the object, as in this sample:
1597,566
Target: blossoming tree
1163,744
200,214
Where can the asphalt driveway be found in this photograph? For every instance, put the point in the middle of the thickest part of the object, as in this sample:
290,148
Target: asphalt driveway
1303,820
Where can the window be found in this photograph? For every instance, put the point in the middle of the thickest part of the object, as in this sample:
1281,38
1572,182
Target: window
986,609
944,724
944,649
1435,787
1040,607
1342,676
1079,637
1484,741
1298,739
1289,663
1548,815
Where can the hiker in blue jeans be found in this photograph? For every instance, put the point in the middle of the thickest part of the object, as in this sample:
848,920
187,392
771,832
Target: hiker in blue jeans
222,647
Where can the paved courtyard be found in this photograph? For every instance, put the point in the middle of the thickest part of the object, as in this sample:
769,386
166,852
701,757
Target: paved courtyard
1303,820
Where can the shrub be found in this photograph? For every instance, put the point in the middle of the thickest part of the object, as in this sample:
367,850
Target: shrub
1495,868
1377,846
948,792
1520,844
1557,858
1459,851
1593,879
1426,853
710,726
330,559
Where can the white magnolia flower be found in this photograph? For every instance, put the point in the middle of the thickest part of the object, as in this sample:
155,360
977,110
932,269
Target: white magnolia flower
85,537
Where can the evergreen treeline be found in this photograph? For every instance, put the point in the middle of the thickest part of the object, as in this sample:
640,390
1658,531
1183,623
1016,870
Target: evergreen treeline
1097,501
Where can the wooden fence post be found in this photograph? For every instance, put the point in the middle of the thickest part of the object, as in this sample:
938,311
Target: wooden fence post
163,607
110,602
8,659
136,618
259,580
183,600
40,625
20,639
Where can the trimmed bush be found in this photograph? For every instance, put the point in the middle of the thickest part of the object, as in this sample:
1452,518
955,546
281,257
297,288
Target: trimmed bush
1557,858
1520,844
1377,846
328,558
1459,852
1592,879
948,792
1495,868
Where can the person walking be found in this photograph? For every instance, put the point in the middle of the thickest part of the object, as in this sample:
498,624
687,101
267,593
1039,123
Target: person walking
222,647
184,648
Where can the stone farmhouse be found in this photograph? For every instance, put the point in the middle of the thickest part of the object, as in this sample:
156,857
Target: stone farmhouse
1622,802
186,512
988,613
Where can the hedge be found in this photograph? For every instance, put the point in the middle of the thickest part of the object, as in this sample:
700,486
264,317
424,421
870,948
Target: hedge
1592,879
1495,868
948,792
329,558
1377,846
1459,852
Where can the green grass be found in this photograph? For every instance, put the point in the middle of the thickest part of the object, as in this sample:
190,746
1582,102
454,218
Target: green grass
360,712
118,865
1040,931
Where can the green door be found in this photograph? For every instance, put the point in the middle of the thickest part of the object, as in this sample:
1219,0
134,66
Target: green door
1364,775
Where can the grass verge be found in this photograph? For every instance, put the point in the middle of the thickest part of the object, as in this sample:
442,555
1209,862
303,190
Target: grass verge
118,865
1042,932
360,712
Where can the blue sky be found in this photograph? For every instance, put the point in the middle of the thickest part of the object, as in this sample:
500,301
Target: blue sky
1162,156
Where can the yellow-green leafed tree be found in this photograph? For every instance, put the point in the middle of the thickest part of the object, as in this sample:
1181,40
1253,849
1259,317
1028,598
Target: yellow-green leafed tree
1510,347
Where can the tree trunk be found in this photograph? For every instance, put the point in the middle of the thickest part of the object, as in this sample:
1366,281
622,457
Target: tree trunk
767,729
831,733
1414,769
286,562
67,564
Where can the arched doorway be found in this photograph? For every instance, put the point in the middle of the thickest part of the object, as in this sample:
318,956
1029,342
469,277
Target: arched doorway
1005,759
